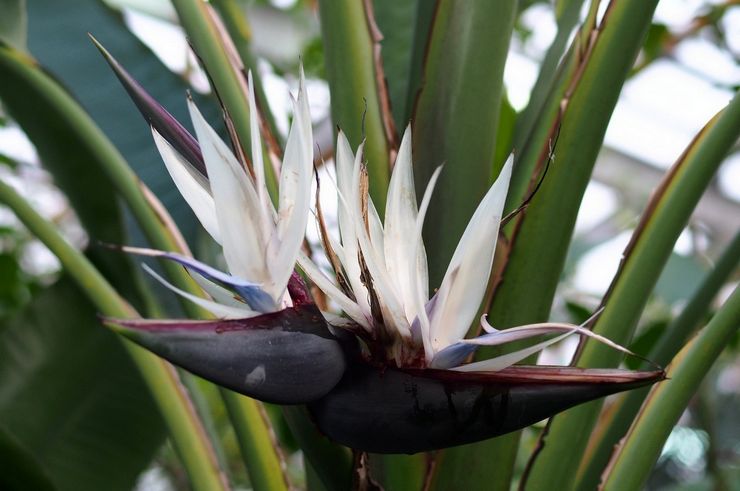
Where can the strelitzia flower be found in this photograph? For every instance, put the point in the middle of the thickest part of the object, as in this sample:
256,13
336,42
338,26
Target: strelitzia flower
388,376
269,340
411,360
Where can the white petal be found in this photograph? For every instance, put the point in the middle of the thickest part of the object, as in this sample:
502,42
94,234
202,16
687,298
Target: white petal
530,330
471,266
295,194
325,285
191,184
238,209
217,309
390,303
418,277
503,361
344,161
400,219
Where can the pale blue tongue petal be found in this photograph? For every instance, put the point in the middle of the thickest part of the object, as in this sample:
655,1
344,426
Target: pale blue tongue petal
452,356
219,310
503,361
252,293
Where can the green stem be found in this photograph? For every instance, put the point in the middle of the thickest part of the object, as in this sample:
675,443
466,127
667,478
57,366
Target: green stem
256,440
188,436
237,24
665,217
227,81
356,98
613,425
633,460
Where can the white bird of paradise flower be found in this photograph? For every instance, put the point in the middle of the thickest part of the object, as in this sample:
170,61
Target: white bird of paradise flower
381,273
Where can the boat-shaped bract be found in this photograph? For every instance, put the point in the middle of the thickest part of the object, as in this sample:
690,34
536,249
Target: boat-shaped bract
393,410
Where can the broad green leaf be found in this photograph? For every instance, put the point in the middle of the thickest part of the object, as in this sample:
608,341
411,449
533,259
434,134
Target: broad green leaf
458,102
631,463
613,424
456,116
567,16
58,39
13,23
25,95
591,74
665,217
71,396
359,102
397,21
187,433
21,471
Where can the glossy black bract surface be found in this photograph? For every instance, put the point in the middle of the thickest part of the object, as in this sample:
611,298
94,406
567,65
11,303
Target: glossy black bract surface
286,357
408,411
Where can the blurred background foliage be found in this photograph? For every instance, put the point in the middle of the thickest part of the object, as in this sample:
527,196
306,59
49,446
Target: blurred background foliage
71,398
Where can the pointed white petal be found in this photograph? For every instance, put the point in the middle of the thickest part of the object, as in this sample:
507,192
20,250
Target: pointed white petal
418,275
325,285
400,219
295,194
472,262
345,160
503,361
390,303
217,309
191,184
530,330
376,231
238,209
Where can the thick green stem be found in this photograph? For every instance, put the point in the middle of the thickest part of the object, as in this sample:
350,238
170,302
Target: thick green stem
631,464
187,434
358,101
258,444
665,217
226,79
614,424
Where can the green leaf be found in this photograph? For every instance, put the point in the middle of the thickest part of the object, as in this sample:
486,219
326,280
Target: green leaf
613,424
665,217
21,470
86,186
358,98
205,37
631,463
567,15
13,23
591,75
456,122
58,39
457,114
71,396
397,21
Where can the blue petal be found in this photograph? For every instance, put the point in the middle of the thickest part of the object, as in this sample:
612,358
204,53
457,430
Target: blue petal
252,293
453,355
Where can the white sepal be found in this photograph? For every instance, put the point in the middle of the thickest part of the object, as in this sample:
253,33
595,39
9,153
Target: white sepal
192,186
238,209
471,266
